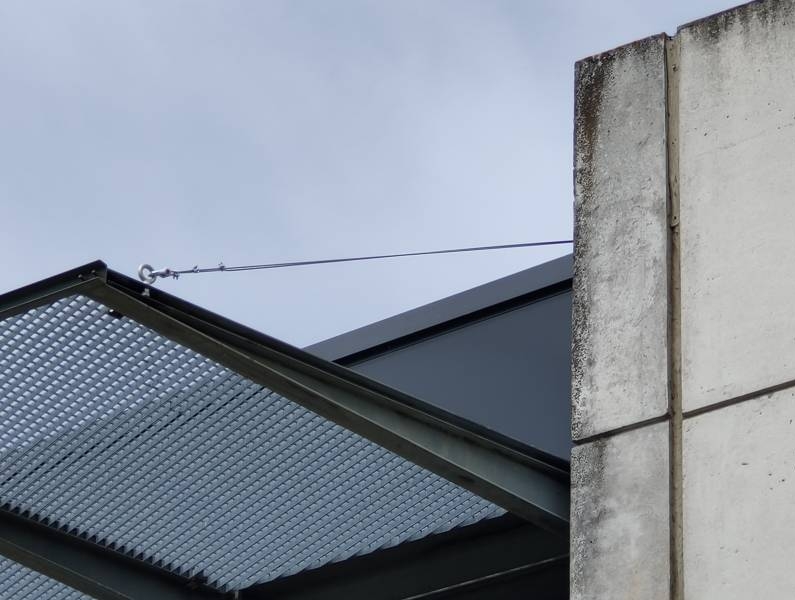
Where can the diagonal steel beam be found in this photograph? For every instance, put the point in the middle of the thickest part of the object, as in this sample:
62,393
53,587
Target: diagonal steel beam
520,483
90,568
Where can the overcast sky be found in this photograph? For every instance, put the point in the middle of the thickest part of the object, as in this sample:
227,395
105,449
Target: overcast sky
181,133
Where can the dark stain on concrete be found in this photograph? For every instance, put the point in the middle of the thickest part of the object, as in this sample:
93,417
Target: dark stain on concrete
590,77
588,511
593,78
747,17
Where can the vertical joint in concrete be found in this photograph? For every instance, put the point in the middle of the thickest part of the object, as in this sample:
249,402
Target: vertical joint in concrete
674,318
620,359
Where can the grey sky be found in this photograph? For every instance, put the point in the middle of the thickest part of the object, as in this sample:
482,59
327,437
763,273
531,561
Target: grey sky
178,133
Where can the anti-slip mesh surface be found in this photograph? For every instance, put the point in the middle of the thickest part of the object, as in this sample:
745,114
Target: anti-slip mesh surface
114,431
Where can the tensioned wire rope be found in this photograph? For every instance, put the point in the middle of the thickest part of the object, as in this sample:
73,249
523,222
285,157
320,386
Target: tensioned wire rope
149,275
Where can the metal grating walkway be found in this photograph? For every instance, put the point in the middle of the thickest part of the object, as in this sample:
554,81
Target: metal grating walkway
113,431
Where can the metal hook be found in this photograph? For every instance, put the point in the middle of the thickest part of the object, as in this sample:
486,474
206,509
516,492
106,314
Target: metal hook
147,274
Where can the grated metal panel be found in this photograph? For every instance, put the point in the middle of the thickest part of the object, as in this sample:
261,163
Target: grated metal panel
20,583
114,431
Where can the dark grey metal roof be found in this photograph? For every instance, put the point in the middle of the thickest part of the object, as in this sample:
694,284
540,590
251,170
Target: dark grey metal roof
498,355
149,449
398,330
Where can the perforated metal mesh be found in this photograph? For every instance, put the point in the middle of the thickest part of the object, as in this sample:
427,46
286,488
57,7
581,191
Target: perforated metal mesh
114,431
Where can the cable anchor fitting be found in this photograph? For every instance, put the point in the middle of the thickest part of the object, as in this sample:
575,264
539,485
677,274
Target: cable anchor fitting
149,275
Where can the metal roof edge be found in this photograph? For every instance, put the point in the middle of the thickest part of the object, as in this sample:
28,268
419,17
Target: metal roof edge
51,288
527,284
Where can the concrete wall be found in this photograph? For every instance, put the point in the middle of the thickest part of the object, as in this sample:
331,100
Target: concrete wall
683,394
620,489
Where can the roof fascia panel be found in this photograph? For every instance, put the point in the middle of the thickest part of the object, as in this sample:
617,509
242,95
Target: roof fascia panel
529,285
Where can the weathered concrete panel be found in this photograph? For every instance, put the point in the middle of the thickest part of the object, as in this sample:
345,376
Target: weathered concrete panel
619,528
619,363
739,499
737,176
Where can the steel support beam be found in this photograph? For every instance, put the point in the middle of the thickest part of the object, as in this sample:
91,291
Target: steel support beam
461,559
496,471
90,568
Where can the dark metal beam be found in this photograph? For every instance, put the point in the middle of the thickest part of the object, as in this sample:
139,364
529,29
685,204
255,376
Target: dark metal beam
522,484
90,568
544,580
464,558
75,281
